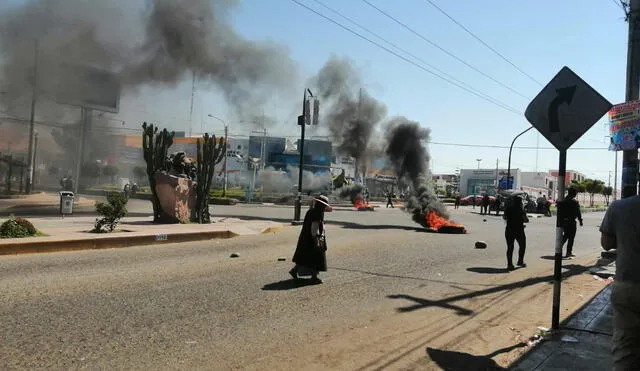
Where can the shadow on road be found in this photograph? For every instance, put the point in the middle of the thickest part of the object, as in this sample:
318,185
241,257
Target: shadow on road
420,303
488,270
409,277
289,284
423,303
548,257
450,360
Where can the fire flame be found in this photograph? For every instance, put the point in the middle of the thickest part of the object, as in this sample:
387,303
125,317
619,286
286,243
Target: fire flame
438,223
359,204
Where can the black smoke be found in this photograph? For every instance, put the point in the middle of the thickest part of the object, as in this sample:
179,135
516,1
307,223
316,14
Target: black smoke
409,157
351,114
351,192
145,42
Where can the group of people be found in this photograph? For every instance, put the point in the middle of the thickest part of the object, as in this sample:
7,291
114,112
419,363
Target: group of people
619,231
485,203
516,218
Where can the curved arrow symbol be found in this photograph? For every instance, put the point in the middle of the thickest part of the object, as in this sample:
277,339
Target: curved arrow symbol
564,95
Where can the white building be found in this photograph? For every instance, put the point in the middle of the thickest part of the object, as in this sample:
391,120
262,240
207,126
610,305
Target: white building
479,181
536,183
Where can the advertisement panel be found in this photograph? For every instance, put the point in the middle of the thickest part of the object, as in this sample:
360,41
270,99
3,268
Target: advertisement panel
624,126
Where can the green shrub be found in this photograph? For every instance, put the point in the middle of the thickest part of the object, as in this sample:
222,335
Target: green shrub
17,228
112,211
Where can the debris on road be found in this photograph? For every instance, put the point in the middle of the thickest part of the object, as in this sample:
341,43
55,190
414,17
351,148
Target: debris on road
235,255
481,245
282,259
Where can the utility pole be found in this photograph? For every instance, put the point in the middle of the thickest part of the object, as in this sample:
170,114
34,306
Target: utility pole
224,162
630,157
32,126
193,93
302,121
615,178
497,170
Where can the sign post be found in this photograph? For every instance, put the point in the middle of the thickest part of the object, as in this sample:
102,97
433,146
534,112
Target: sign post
562,112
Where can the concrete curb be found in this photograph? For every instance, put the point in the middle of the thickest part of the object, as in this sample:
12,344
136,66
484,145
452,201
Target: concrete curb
32,245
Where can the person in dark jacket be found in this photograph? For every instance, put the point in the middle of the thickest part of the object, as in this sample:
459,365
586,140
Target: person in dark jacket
484,206
310,255
569,211
390,200
515,217
457,202
496,205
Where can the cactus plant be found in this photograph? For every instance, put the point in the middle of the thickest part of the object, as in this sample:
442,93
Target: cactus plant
211,151
155,146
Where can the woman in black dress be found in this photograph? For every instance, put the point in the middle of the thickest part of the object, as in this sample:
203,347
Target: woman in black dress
310,256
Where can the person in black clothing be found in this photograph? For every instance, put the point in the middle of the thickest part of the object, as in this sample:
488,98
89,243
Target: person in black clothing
484,206
496,205
390,200
569,211
457,202
310,256
515,217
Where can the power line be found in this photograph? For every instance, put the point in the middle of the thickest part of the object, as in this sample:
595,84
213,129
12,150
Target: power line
401,49
405,26
425,69
484,43
507,147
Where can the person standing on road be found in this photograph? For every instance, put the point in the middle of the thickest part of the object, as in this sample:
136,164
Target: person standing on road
569,211
515,217
619,231
496,205
456,204
486,201
310,255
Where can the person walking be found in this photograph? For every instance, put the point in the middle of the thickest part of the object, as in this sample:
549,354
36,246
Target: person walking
619,231
310,255
569,211
496,205
390,200
515,218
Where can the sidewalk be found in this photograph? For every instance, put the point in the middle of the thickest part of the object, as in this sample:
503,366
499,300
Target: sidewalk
584,342
72,233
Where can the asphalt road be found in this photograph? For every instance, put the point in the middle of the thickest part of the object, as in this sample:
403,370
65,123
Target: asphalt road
191,306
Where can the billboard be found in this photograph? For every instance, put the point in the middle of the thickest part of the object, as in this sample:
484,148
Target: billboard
88,87
624,126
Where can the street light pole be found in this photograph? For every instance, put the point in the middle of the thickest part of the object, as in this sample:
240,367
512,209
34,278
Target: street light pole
479,160
511,149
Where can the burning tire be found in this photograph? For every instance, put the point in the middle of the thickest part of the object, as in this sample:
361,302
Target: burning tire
439,224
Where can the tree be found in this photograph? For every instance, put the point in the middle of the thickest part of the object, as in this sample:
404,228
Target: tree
607,192
593,186
110,171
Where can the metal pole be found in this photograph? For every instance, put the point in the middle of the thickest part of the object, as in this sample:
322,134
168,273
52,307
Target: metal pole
32,126
615,178
630,157
557,267
35,156
510,150
224,162
302,122
85,114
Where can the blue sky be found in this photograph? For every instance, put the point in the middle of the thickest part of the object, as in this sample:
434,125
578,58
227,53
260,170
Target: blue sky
540,37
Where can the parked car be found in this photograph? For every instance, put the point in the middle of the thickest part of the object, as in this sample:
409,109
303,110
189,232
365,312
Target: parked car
528,202
467,200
